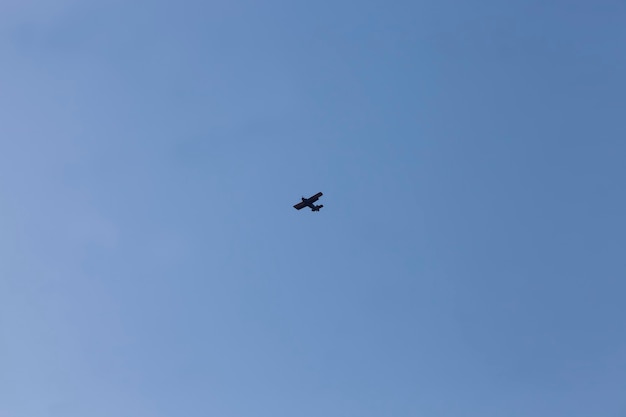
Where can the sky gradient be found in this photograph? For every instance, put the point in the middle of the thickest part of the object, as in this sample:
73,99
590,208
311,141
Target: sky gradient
469,260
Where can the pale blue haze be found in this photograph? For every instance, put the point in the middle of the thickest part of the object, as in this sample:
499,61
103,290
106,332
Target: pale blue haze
469,261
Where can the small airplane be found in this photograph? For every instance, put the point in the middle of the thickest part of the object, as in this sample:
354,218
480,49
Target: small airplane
308,202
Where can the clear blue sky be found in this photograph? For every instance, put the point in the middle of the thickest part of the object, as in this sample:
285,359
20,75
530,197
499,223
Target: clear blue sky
469,261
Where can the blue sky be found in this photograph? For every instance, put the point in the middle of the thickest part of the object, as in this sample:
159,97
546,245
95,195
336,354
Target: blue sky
469,259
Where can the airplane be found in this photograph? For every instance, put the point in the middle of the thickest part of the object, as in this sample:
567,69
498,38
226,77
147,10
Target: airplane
308,202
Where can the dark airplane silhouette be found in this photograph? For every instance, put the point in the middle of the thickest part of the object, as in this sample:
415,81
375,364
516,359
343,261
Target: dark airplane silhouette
308,202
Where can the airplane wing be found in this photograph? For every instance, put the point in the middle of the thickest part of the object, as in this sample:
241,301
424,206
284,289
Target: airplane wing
315,197
309,202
